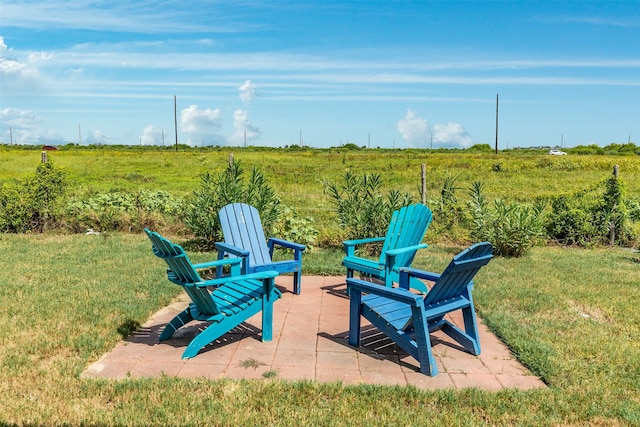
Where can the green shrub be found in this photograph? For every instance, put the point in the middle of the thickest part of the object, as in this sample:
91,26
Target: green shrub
362,209
592,216
122,211
229,186
570,221
14,209
32,205
294,228
448,213
512,228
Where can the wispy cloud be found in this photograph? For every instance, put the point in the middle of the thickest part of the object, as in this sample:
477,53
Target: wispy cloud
595,20
150,17
25,127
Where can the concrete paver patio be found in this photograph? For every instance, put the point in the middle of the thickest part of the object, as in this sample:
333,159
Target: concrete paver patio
310,333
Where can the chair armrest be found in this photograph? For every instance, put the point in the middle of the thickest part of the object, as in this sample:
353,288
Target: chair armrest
362,241
349,245
269,274
218,263
233,250
421,274
396,252
396,294
286,244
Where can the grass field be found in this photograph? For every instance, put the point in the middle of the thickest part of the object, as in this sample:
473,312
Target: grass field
297,175
570,315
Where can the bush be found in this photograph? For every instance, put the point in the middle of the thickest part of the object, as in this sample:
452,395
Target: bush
14,209
34,204
570,221
222,188
296,229
121,211
448,213
511,228
362,210
598,215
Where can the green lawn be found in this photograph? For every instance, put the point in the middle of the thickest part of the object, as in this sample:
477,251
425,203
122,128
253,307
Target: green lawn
569,314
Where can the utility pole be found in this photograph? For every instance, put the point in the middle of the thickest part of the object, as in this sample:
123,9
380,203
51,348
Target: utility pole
175,119
163,137
496,123
10,135
79,135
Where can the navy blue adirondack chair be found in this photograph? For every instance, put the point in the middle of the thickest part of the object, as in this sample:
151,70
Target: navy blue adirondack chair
233,300
244,238
404,236
408,318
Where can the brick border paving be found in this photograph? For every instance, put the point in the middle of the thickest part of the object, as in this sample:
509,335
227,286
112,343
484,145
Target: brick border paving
310,343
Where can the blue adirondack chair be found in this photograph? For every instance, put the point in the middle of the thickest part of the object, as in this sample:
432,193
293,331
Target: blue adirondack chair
408,318
233,300
404,236
244,238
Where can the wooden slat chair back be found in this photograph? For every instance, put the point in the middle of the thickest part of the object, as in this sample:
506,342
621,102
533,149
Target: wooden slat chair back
407,227
408,318
234,299
242,227
244,238
402,241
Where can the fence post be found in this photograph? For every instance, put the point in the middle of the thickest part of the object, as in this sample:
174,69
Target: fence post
44,156
612,222
424,184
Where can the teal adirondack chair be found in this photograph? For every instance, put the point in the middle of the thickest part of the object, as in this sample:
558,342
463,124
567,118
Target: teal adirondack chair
408,318
404,236
244,238
233,300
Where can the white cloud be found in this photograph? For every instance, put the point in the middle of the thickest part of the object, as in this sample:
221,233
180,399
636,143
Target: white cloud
247,91
201,125
97,137
243,129
451,135
11,67
416,132
25,127
414,129
151,135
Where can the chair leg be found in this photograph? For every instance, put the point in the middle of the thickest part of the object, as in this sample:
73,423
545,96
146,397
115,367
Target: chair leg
427,361
355,313
349,276
267,318
177,322
297,278
471,327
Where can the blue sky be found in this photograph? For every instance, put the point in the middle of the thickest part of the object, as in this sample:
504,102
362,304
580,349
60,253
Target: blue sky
322,73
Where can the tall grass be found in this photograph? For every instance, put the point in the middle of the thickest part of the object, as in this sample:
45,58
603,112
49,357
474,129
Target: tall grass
570,315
